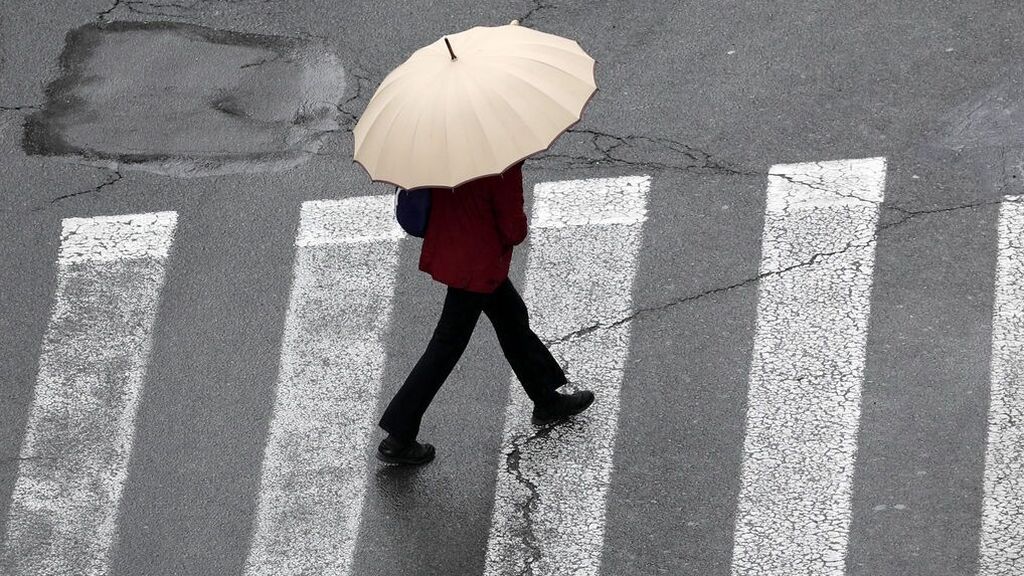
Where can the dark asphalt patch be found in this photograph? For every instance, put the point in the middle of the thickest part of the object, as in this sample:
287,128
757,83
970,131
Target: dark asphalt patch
186,100
994,118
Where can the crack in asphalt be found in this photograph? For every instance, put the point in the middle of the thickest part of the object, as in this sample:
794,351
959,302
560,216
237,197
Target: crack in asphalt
113,7
684,299
815,184
261,62
694,159
146,8
366,80
116,176
910,214
19,108
526,509
538,5
907,216
363,82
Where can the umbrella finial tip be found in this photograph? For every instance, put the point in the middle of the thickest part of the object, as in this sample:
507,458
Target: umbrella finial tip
449,45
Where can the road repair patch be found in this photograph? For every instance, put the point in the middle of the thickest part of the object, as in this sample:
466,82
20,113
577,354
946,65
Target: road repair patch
186,100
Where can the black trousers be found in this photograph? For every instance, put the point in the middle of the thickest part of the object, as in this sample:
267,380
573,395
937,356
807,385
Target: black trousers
538,372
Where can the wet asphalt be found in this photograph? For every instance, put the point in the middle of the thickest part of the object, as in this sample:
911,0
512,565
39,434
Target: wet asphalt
702,96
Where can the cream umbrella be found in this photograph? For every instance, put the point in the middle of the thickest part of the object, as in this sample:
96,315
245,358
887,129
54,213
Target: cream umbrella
472,104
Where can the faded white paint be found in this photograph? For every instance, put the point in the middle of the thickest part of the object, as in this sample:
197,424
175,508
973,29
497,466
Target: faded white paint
549,508
1002,532
332,361
803,404
74,458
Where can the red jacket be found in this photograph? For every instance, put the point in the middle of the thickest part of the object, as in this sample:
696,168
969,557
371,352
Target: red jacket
472,229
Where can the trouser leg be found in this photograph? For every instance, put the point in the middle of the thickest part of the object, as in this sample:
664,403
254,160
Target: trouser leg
451,336
531,361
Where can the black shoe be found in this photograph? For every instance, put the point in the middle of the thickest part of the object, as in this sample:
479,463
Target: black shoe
394,451
565,405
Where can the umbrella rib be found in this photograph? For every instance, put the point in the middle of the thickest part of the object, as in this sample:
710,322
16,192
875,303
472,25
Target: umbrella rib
532,86
394,94
547,64
476,118
447,132
411,145
387,134
567,78
574,49
397,74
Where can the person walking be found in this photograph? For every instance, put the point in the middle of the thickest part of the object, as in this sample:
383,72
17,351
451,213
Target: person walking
458,118
471,232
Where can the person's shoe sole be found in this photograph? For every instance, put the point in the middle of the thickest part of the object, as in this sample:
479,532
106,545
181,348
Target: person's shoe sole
561,418
407,460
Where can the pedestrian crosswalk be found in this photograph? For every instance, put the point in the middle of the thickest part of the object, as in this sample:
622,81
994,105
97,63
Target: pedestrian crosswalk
793,510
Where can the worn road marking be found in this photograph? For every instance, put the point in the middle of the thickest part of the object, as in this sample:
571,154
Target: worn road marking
74,458
332,361
806,373
1002,530
550,496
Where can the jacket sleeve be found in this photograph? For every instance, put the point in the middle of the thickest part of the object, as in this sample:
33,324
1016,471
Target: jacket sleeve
508,206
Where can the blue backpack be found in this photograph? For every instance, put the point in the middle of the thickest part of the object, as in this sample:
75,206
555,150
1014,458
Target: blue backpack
412,210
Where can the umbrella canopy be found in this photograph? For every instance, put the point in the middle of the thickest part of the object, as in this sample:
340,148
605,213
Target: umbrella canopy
471,105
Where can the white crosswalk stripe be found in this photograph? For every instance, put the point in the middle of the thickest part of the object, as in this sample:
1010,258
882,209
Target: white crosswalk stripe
807,368
550,497
74,458
1002,530
332,359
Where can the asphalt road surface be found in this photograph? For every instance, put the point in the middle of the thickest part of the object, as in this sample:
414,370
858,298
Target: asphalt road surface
783,247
